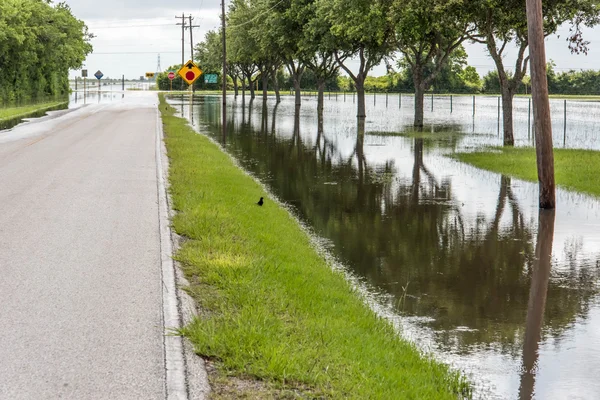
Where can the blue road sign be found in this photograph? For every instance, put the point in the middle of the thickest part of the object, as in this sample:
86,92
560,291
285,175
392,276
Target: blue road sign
99,75
210,78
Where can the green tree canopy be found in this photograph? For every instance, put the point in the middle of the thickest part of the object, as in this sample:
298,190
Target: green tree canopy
39,43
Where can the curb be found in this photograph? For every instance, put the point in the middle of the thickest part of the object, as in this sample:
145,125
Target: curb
181,362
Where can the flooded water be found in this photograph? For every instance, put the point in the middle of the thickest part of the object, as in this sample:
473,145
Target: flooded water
461,259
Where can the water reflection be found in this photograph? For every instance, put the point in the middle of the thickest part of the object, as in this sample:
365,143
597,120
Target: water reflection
537,302
459,250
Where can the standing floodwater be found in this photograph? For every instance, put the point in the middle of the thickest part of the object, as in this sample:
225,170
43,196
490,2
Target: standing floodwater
460,255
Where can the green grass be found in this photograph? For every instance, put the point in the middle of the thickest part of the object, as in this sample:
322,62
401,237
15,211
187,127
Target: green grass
272,310
24,111
574,169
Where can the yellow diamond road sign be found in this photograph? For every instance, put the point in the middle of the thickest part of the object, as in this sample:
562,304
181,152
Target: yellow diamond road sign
190,72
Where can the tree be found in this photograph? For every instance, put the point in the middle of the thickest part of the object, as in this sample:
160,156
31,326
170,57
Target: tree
427,33
455,76
209,54
318,48
242,47
288,22
360,29
500,23
39,44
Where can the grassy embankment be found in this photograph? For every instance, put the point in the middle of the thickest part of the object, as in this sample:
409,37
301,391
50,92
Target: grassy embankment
11,113
574,169
276,321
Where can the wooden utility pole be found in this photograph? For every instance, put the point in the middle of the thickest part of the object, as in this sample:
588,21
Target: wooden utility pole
182,43
541,105
224,77
191,28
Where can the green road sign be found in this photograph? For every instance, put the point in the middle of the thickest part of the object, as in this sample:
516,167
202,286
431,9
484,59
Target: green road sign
210,78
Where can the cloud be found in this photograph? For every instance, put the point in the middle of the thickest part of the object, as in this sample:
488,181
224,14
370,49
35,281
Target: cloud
136,9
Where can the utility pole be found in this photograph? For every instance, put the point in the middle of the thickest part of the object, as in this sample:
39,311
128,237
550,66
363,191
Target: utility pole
224,78
182,43
541,105
191,27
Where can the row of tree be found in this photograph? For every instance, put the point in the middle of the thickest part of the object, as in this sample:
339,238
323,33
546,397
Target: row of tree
39,43
329,36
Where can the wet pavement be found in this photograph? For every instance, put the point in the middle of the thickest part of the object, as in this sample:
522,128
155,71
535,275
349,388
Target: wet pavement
461,259
80,256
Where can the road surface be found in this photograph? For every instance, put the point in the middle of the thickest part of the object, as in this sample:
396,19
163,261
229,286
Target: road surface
80,256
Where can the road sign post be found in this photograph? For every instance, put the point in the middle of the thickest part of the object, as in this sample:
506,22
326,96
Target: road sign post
99,76
171,77
84,74
190,72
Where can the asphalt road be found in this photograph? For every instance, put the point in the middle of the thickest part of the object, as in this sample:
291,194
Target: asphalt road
80,260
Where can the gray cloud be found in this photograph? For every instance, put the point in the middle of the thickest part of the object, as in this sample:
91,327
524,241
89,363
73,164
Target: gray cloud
136,9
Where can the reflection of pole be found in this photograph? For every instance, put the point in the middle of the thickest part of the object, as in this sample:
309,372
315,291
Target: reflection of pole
84,88
224,78
537,302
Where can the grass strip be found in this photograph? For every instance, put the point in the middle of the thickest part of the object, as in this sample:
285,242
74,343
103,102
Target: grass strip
272,310
574,169
24,111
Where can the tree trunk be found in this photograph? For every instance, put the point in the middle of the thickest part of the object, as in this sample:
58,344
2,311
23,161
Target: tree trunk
265,84
507,116
541,105
419,104
298,90
243,79
360,97
321,95
276,87
251,85
234,78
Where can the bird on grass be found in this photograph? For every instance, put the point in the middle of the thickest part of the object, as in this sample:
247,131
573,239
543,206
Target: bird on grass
260,202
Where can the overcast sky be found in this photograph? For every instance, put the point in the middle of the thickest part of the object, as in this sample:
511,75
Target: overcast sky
130,34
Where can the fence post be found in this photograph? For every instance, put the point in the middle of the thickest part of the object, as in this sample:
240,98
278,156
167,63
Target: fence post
399,100
450,104
498,115
565,124
473,105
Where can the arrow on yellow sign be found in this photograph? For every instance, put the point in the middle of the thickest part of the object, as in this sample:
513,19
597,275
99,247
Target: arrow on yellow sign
190,72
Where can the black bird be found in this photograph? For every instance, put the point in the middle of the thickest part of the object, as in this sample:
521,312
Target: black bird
260,202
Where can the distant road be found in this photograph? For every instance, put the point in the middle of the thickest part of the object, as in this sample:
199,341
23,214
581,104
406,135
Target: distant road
80,275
